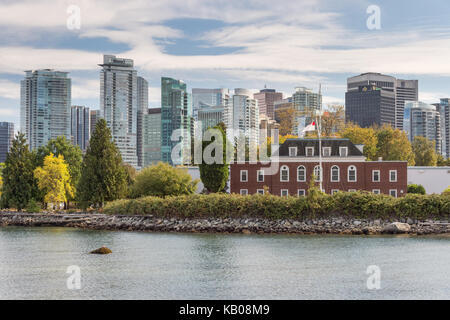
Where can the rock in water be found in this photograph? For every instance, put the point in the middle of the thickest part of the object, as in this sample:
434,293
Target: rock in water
397,227
102,250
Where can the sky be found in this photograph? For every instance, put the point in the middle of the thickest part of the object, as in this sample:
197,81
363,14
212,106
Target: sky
250,44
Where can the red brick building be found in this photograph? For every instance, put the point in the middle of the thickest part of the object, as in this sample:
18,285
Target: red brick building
344,168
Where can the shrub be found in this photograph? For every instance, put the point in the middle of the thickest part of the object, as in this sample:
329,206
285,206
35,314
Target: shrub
33,206
416,188
163,180
446,191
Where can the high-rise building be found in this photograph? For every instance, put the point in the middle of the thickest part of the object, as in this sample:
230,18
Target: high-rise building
266,99
152,137
45,106
370,105
444,112
210,116
242,117
421,119
206,98
402,90
95,115
80,126
142,100
119,105
176,118
266,125
6,138
305,103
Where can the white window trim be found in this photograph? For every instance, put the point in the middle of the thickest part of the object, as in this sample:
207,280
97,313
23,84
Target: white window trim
333,191
348,174
260,191
351,190
390,177
301,195
281,175
373,176
257,175
339,174
396,194
287,191
320,175
242,193
304,175
294,153
323,151
341,153
246,175
306,151
376,191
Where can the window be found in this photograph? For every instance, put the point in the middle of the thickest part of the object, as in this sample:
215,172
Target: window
292,151
326,151
352,174
335,174
244,175
351,190
284,174
260,176
317,174
333,191
309,151
301,174
284,192
244,192
392,175
375,175
376,191
393,192
343,151
260,191
301,192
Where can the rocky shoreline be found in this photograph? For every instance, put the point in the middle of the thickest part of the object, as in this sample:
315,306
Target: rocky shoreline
335,225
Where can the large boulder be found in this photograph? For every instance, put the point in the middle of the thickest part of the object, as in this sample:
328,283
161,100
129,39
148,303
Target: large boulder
102,250
397,227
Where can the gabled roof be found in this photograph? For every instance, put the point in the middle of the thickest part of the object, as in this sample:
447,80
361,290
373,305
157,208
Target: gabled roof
334,143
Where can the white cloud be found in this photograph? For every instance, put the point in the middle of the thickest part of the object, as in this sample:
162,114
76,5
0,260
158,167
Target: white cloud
9,89
432,97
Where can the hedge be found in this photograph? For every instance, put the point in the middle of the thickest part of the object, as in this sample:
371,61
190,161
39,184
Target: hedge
358,205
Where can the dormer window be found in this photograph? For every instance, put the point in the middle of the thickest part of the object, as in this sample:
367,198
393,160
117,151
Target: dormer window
343,151
326,151
292,151
309,151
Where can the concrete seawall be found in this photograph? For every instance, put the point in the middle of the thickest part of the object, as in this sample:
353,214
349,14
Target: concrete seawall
335,225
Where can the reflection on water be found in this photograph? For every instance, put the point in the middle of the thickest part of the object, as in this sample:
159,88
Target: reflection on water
33,264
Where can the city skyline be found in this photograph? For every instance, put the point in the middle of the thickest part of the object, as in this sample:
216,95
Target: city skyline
213,46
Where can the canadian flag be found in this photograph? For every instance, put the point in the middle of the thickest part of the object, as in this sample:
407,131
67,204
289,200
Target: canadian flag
310,127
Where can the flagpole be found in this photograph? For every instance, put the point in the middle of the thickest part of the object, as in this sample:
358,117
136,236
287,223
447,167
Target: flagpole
319,125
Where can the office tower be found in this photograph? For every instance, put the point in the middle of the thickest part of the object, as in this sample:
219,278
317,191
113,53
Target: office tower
305,103
45,106
421,119
210,116
444,112
6,138
176,116
80,126
95,115
266,125
142,100
206,98
402,90
266,99
242,117
118,104
152,137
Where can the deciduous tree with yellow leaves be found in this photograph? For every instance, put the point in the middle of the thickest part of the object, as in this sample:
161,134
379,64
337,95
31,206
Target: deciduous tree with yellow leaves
54,179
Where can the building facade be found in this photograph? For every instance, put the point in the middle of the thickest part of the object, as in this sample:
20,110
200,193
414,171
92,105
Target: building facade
176,121
119,106
422,119
210,116
6,138
152,137
433,179
343,169
305,103
80,128
207,98
444,112
45,100
266,99
95,116
266,125
142,102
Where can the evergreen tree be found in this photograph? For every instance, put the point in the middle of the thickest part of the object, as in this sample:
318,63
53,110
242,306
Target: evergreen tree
215,175
19,184
103,176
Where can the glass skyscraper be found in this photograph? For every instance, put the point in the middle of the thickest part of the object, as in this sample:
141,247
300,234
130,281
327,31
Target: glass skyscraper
142,101
80,126
152,137
45,106
6,138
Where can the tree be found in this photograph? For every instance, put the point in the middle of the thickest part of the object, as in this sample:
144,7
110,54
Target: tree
163,180
393,144
54,179
103,176
215,175
424,152
416,189
19,185
365,136
286,120
333,121
446,192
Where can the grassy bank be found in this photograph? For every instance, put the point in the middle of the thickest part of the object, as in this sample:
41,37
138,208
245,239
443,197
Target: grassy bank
356,205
